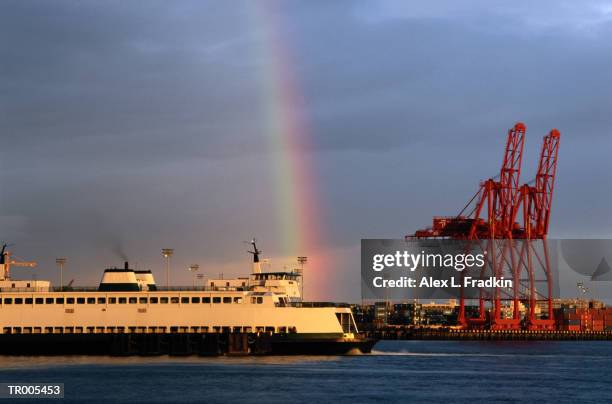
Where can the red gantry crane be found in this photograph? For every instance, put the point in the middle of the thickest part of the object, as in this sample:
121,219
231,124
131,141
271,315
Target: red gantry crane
6,261
492,225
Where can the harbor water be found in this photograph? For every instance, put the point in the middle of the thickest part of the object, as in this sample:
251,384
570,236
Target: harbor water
396,371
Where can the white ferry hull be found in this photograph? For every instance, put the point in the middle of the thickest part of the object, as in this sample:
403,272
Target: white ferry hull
181,344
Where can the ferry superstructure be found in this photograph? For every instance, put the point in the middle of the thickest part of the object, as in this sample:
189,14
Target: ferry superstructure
129,314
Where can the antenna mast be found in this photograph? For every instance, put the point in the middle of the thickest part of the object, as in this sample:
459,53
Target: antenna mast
255,252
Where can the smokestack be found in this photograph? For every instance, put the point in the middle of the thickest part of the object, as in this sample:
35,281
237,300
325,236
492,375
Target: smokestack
126,265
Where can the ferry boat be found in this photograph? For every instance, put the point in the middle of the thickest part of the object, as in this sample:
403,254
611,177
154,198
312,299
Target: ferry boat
128,314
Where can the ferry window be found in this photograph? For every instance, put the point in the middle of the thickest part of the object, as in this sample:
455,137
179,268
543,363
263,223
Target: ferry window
174,299
253,300
59,300
184,300
216,300
70,300
227,284
153,300
29,300
101,300
142,300
49,300
112,300
227,299
133,300
237,300
27,285
80,300
163,300
18,300
259,300
39,300
206,299
91,300
195,300
8,300
122,300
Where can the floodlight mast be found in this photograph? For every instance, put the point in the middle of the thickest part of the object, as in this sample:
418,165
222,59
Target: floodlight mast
302,260
60,263
167,253
193,268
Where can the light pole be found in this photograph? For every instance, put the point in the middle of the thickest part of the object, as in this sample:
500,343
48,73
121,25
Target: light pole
302,261
193,268
167,253
60,263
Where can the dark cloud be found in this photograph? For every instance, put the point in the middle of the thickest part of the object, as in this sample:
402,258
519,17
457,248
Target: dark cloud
139,127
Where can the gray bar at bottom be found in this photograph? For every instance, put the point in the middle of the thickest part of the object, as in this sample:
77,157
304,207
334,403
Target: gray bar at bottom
31,390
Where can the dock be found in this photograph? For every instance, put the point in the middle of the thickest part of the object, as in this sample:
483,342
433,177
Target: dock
423,333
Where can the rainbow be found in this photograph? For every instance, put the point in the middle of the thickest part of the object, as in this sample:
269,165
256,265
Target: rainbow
290,142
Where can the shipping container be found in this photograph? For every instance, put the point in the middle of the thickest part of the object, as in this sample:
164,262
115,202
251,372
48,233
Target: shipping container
572,322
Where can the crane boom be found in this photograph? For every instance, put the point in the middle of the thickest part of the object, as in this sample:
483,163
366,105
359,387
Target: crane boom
509,178
6,262
545,181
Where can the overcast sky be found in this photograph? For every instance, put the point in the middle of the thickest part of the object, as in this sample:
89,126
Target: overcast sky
130,126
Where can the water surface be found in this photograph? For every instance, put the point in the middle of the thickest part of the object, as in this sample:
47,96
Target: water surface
396,371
